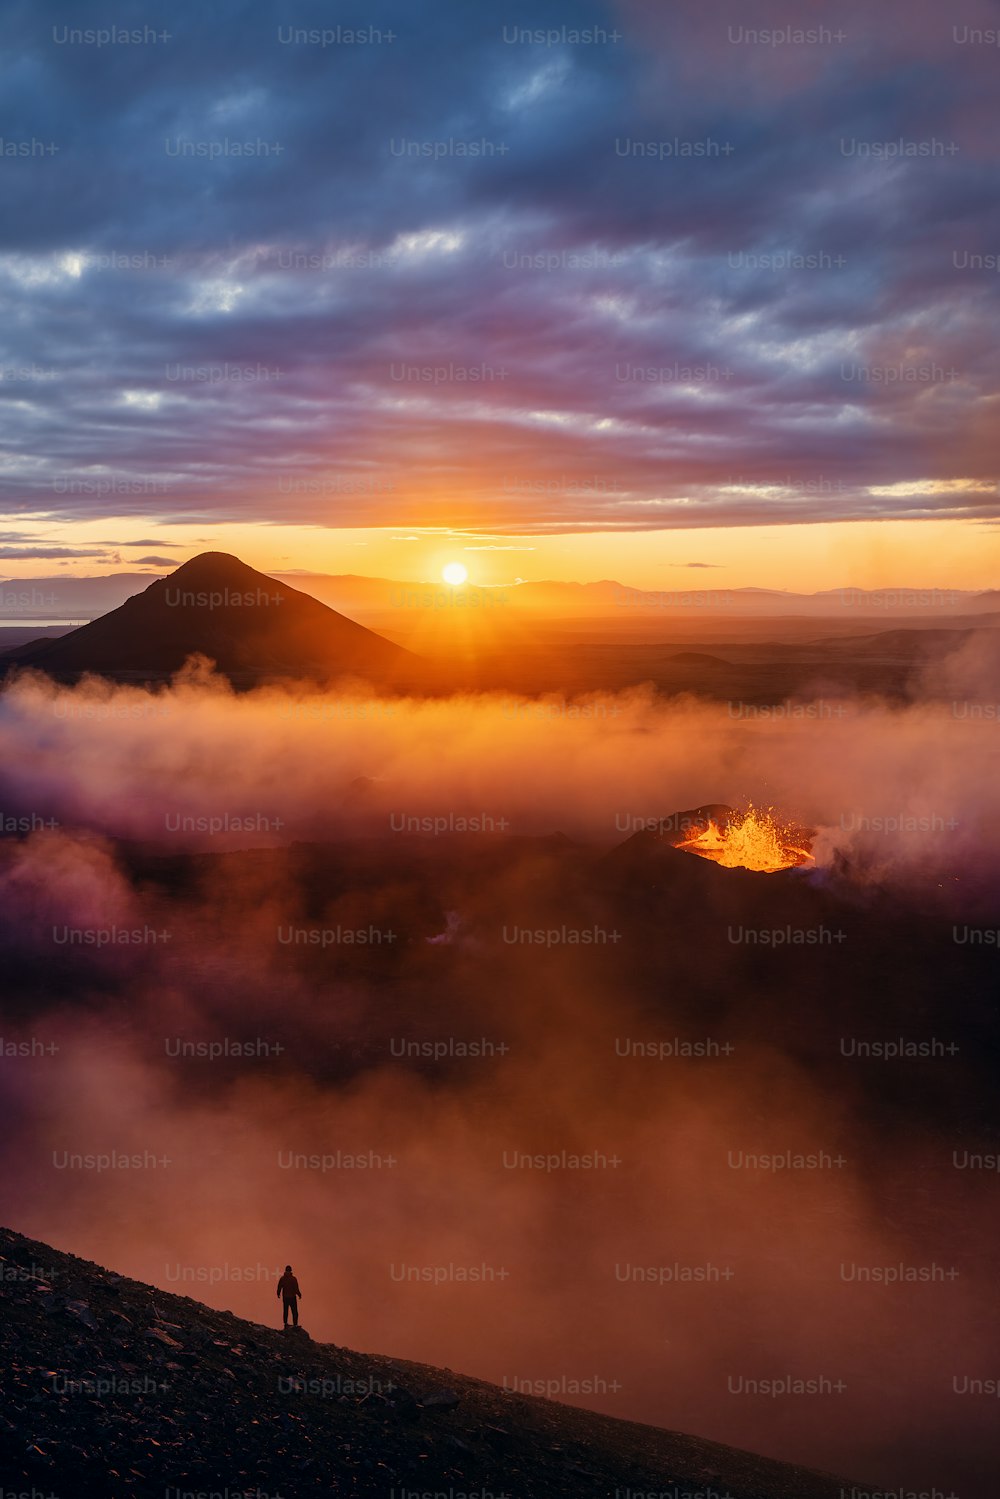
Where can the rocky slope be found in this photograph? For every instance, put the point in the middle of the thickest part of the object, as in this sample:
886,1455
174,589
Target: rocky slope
112,1388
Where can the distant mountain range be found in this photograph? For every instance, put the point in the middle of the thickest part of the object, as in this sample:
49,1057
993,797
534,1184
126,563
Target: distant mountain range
255,628
250,625
78,599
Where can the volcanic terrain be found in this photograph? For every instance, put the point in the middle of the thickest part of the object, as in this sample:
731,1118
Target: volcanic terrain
115,1389
252,627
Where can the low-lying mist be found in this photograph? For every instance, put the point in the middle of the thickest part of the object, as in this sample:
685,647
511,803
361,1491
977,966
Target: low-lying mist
455,1135
199,765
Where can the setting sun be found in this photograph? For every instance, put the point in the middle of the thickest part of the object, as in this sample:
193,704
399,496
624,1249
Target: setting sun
632,886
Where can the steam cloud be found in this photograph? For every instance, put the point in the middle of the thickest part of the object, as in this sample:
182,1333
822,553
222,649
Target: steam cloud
134,763
108,764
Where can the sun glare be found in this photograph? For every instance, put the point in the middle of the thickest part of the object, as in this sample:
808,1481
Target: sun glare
455,573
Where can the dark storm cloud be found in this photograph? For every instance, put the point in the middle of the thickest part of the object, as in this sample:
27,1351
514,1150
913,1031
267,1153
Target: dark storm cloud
781,329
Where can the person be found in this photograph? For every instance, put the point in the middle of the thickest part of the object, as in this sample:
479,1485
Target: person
288,1290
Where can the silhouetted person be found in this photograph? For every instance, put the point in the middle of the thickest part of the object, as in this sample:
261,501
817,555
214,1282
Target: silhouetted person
288,1290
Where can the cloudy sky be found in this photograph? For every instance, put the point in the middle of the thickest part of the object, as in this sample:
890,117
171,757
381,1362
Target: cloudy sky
531,272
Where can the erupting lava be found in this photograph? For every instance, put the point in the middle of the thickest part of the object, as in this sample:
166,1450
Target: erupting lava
750,840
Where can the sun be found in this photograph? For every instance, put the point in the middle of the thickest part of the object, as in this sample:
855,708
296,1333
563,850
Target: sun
455,573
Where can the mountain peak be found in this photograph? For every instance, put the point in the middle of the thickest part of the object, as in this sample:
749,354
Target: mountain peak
215,605
222,566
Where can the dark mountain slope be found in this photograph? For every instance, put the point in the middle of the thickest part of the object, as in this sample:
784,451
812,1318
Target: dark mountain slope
118,1390
217,606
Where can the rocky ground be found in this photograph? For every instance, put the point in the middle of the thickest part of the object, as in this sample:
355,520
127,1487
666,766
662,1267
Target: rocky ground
112,1388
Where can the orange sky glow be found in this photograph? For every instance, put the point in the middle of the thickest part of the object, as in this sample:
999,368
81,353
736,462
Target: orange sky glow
801,558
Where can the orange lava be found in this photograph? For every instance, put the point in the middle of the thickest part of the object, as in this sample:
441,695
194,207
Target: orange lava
751,840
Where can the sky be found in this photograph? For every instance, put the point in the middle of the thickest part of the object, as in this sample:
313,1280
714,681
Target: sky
557,290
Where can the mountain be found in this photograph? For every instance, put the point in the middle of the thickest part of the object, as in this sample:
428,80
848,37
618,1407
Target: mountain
113,1388
251,626
683,593
74,599
679,597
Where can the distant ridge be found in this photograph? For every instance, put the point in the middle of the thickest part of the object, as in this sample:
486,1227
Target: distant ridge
250,625
74,598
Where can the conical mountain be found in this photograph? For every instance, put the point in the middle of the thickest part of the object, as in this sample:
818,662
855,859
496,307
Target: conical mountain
251,626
